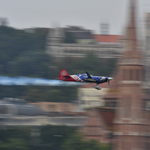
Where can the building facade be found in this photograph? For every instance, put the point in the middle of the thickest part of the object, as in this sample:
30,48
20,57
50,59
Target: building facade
147,49
90,98
98,125
86,43
130,124
127,98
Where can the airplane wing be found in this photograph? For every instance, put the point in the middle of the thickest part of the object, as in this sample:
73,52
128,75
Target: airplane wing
89,78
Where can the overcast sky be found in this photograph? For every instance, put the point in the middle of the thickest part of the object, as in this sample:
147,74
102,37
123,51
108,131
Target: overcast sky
86,13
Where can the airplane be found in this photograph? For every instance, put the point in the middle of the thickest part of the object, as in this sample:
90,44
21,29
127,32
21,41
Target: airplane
64,76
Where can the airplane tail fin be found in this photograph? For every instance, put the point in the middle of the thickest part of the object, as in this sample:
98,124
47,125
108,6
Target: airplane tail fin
63,73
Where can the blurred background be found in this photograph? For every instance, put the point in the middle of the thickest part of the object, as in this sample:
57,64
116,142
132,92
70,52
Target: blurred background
38,39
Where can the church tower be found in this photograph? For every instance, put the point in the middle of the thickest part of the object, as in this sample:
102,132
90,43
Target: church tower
147,49
130,121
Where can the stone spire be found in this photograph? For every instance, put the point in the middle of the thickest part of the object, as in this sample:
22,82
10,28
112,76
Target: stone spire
131,29
131,35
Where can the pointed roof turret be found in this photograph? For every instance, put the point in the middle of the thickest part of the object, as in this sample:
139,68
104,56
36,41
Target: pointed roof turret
131,51
131,29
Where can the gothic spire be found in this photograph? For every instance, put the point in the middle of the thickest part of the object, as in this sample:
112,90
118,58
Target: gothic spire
131,29
131,51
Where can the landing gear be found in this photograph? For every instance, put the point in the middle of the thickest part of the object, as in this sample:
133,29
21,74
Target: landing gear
97,87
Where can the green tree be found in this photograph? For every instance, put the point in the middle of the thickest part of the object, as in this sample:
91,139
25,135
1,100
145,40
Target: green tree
14,43
33,64
52,137
13,144
76,142
91,63
50,94
16,138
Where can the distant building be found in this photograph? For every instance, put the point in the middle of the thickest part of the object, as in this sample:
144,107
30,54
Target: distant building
90,98
107,39
103,46
98,125
104,27
3,21
56,107
81,35
16,112
18,107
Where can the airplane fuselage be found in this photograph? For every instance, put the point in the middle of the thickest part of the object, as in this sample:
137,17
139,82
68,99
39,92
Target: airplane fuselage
84,78
64,76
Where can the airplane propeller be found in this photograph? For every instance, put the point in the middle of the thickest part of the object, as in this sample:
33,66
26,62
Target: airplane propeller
109,78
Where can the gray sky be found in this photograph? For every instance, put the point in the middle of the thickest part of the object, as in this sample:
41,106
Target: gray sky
86,13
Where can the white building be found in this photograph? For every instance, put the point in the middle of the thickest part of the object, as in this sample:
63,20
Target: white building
104,46
89,97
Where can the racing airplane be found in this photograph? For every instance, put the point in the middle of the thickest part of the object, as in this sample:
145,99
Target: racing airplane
64,76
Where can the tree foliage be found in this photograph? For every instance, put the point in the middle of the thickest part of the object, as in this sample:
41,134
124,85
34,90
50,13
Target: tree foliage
13,144
40,93
14,138
21,49
21,138
77,142
91,63
33,64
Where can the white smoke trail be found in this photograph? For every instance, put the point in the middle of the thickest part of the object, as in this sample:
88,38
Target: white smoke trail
4,80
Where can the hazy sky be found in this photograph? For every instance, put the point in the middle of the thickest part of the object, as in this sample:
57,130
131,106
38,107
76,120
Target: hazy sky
86,13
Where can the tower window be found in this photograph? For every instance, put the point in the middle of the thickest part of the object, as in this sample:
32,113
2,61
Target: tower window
124,74
127,106
131,74
137,75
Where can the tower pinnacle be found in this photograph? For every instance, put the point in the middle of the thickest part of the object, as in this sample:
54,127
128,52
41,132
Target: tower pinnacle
131,51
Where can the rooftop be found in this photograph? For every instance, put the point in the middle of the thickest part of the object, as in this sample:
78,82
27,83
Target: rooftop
107,38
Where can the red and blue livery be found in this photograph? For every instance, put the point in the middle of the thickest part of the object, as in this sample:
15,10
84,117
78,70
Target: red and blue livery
64,76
